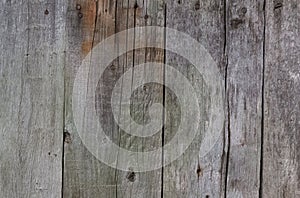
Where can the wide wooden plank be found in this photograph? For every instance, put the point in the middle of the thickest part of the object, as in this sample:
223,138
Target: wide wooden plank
31,98
193,175
244,49
281,159
89,23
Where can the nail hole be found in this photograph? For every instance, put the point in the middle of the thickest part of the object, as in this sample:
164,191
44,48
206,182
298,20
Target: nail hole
179,2
80,15
131,176
244,10
78,7
105,10
46,12
146,16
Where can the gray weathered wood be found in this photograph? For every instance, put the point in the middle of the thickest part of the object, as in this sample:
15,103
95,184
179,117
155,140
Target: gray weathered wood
84,175
281,171
244,49
192,175
31,98
89,23
131,183
256,47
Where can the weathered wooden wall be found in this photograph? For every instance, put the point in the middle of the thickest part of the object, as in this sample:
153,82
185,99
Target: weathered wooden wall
256,45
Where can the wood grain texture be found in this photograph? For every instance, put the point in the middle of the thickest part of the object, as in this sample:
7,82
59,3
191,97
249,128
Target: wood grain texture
256,45
31,95
193,175
281,106
244,50
89,23
141,13
84,175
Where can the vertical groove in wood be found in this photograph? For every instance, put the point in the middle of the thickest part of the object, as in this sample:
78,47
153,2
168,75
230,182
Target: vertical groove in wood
261,173
226,141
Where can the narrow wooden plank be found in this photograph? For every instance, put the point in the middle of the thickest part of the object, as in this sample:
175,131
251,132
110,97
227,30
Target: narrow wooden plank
193,175
146,13
281,162
245,38
89,23
31,95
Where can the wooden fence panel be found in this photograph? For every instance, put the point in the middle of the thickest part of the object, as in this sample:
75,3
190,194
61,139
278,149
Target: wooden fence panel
255,46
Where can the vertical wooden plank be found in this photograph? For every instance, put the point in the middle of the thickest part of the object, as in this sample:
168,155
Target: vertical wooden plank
31,95
281,169
193,175
145,13
89,23
245,38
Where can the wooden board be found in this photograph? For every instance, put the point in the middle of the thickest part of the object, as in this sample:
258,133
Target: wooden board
244,50
31,93
281,100
193,175
90,23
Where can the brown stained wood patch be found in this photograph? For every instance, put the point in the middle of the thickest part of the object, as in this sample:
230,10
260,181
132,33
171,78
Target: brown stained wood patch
86,47
96,17
88,10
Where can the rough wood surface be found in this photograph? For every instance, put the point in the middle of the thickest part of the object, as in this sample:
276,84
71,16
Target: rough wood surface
192,175
84,175
281,100
244,51
90,23
256,46
31,95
